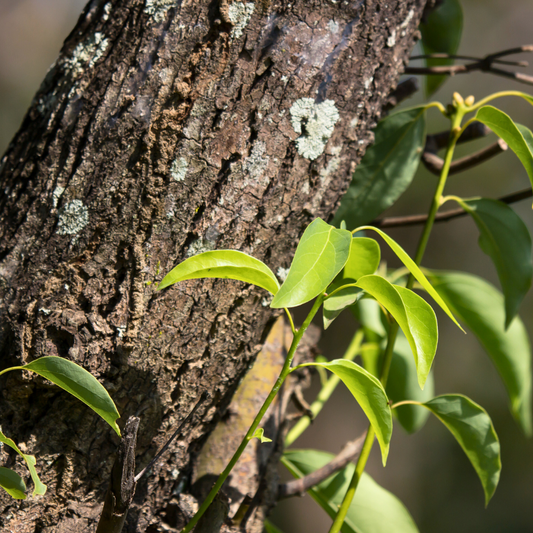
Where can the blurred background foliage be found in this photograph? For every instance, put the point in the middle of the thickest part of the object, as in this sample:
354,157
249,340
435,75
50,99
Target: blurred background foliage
427,471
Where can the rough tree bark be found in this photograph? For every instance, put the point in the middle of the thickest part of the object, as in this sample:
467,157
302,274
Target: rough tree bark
165,128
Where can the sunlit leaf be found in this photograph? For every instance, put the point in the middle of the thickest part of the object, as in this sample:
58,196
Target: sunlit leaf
441,33
260,434
12,483
505,238
364,259
78,382
39,488
481,307
225,264
373,509
414,269
387,168
513,134
403,385
321,254
414,315
368,312
472,427
369,394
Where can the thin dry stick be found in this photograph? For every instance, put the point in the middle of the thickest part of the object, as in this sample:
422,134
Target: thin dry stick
415,220
434,163
485,64
350,452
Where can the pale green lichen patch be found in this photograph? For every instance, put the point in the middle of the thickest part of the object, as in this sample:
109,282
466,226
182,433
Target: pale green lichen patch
158,8
178,169
239,14
72,218
200,246
315,122
257,161
87,53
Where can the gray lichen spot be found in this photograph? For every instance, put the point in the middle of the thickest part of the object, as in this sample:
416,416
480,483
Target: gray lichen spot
282,273
158,8
56,195
72,218
199,246
178,169
239,14
88,52
391,41
333,26
257,161
315,122
107,11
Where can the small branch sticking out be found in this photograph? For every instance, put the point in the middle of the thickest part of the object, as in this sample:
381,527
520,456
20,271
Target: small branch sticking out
483,64
298,486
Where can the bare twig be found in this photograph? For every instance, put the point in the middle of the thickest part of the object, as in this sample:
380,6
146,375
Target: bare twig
298,486
404,90
415,220
484,64
434,163
437,141
169,441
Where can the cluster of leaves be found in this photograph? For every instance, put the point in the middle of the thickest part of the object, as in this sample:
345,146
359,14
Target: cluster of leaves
78,382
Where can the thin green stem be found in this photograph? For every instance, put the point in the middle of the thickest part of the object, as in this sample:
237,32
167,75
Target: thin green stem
12,368
291,322
439,106
404,402
255,424
491,97
327,390
456,119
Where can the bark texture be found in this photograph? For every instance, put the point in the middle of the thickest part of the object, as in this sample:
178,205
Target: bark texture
166,128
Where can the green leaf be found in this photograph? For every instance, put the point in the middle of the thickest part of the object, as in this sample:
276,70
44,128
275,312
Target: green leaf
373,509
441,33
80,383
415,270
387,168
321,254
505,238
364,259
481,307
403,385
225,264
369,394
413,314
260,434
39,488
513,134
472,427
12,483
368,313
271,528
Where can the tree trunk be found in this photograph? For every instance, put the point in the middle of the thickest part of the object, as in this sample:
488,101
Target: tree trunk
166,128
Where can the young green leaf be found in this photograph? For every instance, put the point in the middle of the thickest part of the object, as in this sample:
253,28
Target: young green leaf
80,383
387,168
472,427
414,315
271,528
321,254
260,434
373,509
504,127
505,238
441,33
12,483
415,271
481,307
335,304
39,488
369,394
225,264
368,312
364,259
403,385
